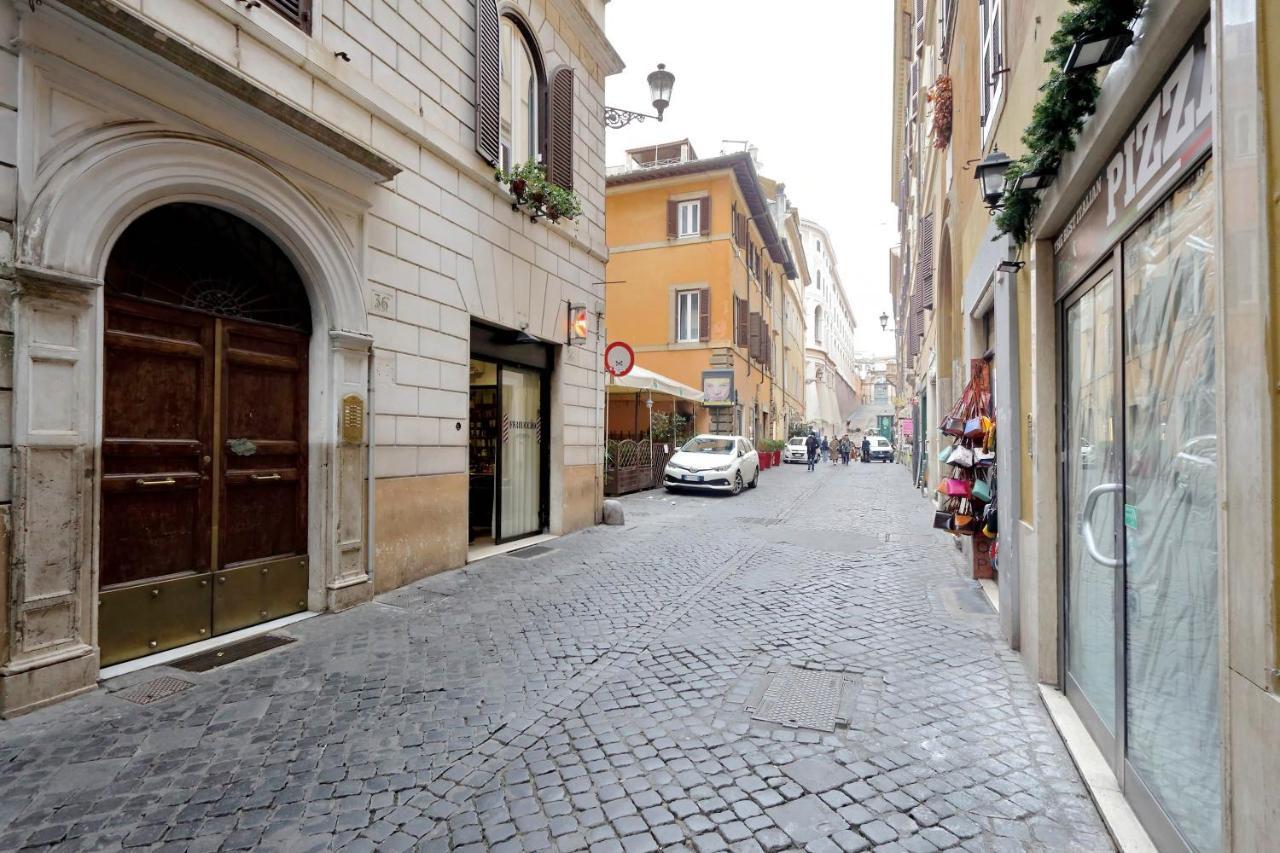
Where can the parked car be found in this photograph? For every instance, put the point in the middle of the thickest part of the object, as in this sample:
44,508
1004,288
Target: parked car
796,450
881,449
722,463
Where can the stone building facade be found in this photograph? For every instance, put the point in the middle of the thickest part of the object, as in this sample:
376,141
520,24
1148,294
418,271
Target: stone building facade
256,263
832,388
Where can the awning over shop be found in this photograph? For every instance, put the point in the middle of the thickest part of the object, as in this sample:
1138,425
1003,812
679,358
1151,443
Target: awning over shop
640,379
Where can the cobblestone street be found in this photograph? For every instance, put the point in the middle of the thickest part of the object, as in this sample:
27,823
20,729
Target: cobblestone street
599,695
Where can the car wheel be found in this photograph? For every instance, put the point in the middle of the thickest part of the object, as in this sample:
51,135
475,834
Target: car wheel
737,482
755,481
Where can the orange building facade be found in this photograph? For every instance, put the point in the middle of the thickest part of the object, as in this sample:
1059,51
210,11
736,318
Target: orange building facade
703,283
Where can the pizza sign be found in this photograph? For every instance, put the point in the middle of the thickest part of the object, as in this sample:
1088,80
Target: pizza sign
619,358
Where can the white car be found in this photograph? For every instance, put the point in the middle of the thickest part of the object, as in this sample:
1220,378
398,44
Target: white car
722,463
796,450
881,449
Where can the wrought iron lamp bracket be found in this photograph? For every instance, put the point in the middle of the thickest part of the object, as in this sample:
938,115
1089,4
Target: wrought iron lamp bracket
616,118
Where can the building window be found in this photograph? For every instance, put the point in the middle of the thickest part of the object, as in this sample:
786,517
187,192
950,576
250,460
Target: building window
518,97
688,316
992,83
690,218
298,12
817,324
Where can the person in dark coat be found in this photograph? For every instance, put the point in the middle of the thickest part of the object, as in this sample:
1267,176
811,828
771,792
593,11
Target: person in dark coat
866,449
811,445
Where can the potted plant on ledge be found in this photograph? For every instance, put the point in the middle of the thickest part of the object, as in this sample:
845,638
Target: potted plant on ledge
538,197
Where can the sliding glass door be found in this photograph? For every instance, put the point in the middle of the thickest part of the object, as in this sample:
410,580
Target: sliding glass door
1140,499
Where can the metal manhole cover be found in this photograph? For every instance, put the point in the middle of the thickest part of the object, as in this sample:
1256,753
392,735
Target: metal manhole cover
206,661
154,690
532,551
801,698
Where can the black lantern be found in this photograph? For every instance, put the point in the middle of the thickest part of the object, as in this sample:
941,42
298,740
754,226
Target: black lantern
660,83
990,175
1036,179
1093,51
1010,266
884,322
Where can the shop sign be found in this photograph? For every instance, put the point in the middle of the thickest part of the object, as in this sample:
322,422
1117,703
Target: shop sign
619,358
717,388
1171,134
907,426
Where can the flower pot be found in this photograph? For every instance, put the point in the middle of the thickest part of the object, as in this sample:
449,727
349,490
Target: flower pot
766,459
518,186
777,458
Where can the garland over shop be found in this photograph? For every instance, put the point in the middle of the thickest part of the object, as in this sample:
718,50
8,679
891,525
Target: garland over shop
1093,34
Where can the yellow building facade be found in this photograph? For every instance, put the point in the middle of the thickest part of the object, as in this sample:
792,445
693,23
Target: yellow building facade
704,285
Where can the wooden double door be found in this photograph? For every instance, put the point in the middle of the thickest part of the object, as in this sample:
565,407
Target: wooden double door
203,523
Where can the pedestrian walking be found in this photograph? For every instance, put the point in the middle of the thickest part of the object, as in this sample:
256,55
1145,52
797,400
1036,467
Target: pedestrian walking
825,447
866,449
835,451
846,447
811,446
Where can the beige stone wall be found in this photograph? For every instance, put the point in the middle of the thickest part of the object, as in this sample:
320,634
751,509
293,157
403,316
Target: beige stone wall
420,528
582,497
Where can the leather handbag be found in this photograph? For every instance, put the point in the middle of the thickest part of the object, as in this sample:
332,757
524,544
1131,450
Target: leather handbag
955,487
943,520
973,428
952,425
981,491
983,458
961,456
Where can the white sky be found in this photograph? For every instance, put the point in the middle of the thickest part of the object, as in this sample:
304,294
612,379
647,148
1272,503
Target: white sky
808,82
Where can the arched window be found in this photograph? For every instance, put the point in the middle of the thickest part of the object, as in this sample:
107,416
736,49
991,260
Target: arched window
520,97
817,324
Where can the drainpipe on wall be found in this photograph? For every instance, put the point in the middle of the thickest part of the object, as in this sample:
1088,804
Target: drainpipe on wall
369,472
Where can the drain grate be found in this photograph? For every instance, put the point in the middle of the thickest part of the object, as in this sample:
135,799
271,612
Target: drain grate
801,698
206,661
154,690
532,551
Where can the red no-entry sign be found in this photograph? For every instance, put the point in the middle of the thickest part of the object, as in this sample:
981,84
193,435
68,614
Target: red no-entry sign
619,358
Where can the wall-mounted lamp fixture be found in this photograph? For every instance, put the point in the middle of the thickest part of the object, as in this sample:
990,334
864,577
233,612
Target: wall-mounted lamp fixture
1010,266
660,84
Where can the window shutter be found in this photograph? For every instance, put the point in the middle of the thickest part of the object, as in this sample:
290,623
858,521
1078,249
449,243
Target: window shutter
741,322
924,270
673,220
704,214
742,231
488,82
298,12
704,314
560,129
754,348
733,221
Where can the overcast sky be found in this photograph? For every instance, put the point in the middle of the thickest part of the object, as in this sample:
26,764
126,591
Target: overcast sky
809,83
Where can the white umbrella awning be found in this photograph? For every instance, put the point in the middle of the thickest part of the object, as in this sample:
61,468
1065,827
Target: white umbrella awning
640,379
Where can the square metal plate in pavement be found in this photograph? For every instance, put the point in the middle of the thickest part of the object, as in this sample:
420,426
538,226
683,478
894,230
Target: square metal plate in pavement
800,698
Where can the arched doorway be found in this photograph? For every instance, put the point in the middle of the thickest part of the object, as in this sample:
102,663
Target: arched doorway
203,513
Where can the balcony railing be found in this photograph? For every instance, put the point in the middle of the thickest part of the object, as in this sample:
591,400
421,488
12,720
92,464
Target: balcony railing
632,166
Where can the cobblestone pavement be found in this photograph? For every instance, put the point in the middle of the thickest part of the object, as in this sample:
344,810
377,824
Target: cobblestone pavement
598,696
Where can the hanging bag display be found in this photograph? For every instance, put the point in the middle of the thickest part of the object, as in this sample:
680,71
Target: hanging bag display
961,456
954,487
981,490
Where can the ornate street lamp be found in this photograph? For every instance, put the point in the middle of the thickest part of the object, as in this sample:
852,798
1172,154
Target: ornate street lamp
990,175
884,322
660,85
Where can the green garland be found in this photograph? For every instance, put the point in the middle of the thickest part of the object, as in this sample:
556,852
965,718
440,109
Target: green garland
1063,109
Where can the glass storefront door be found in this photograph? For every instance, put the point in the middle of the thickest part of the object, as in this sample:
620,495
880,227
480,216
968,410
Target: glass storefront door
520,465
1091,469
1139,468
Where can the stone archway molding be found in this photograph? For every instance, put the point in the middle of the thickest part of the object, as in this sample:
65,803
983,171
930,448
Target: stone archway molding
79,204
90,198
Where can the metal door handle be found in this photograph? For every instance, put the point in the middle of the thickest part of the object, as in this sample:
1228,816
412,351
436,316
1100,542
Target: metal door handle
1086,528
265,476
163,481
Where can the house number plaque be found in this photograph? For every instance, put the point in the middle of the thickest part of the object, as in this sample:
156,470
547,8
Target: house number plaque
352,419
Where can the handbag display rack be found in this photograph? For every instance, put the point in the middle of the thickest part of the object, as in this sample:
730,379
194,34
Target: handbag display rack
966,498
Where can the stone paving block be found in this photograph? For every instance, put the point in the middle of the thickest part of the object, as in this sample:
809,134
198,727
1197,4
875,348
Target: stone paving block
595,696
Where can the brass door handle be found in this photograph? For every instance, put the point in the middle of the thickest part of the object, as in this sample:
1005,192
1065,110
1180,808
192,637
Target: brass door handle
265,476
163,481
